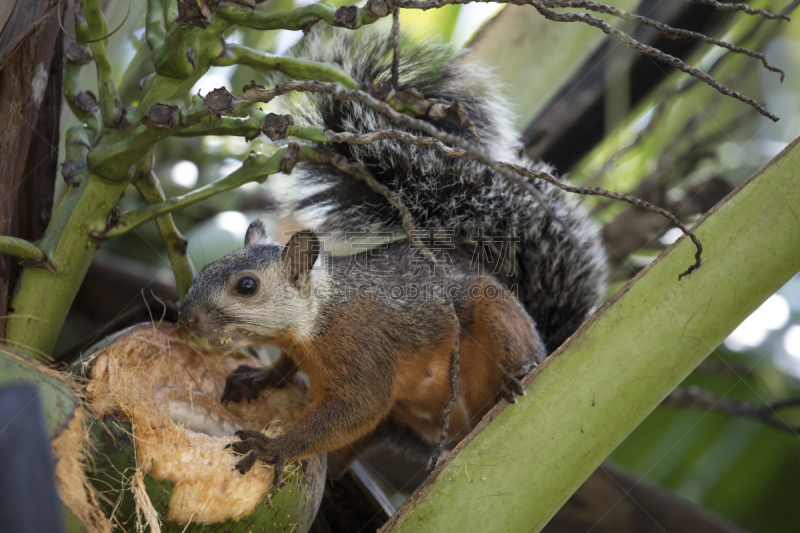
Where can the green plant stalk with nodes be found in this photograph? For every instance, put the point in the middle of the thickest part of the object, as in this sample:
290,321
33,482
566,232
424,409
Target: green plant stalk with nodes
150,189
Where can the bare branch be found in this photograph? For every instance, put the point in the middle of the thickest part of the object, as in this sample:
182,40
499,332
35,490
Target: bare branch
513,173
697,398
742,7
649,50
542,7
666,29
692,126
435,4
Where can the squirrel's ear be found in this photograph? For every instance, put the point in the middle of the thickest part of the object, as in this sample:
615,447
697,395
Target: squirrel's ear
300,253
255,233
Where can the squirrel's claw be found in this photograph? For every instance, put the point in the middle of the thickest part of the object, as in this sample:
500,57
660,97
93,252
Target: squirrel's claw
246,463
510,389
255,446
512,384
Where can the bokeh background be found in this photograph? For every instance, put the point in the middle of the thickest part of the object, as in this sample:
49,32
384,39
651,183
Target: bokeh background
605,116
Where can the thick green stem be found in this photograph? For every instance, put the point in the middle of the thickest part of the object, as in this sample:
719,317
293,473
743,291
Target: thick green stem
150,189
257,167
21,249
42,299
248,127
121,159
155,24
295,19
82,104
515,473
79,140
166,89
118,161
172,57
309,133
110,104
298,69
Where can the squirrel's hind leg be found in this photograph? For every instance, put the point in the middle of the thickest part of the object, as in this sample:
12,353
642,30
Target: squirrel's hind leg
500,346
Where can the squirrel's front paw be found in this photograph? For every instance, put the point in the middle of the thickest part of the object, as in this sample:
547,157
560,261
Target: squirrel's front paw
248,381
255,446
512,384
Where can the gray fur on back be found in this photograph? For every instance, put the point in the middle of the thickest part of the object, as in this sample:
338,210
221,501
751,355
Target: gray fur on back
559,279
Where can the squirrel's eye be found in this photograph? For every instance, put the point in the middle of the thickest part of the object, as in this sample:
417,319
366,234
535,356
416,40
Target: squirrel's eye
246,287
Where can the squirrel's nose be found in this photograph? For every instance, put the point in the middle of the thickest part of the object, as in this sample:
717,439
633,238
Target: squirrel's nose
188,317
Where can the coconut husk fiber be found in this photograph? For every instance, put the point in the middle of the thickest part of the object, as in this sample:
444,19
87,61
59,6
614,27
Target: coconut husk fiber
168,388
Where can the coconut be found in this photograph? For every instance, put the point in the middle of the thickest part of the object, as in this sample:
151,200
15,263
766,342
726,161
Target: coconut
161,432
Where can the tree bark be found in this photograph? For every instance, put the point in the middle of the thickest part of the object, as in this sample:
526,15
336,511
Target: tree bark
31,77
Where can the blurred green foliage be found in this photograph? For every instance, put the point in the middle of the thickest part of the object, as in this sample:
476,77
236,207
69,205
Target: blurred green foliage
739,468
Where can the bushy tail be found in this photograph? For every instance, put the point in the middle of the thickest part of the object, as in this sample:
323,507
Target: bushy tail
558,271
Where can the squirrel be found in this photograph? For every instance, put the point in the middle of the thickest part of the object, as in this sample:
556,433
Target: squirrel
376,343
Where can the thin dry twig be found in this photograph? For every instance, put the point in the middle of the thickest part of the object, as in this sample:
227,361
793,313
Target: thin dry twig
598,191
688,84
361,173
542,7
513,173
696,398
742,7
668,156
627,40
664,28
685,85
435,4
